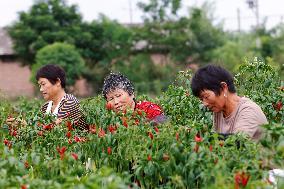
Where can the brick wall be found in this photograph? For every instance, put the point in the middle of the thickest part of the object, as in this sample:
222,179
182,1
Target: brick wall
15,80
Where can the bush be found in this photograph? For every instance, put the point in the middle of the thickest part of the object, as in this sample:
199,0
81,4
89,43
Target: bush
61,54
146,76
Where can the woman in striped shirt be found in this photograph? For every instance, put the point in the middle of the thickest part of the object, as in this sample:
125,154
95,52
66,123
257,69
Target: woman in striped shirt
51,80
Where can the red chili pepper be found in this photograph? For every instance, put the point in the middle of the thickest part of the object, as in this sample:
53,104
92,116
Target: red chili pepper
198,138
26,164
109,150
156,129
24,186
101,133
108,106
61,152
151,135
245,179
68,134
124,121
177,136
48,126
211,148
75,156
111,129
7,143
93,129
69,125
40,133
149,158
14,132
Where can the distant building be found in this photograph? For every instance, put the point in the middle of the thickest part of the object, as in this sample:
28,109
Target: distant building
15,78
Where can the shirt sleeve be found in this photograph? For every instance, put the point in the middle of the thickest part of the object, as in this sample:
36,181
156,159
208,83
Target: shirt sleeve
152,110
249,121
71,108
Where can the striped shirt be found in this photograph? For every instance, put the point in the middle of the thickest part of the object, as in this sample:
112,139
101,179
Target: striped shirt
69,105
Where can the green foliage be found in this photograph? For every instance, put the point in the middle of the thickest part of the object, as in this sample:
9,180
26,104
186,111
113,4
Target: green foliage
184,152
181,106
262,85
160,10
146,76
63,55
194,36
45,23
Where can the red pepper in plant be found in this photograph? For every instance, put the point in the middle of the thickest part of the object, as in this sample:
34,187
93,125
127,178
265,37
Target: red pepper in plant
278,106
198,138
156,129
136,122
75,156
48,126
101,133
109,150
40,133
151,135
7,143
26,164
245,179
68,134
237,180
124,121
93,129
24,186
108,106
111,129
211,148
69,125
177,136
241,179
149,158
13,132
61,152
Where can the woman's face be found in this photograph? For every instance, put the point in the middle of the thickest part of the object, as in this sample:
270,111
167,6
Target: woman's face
120,100
47,89
215,103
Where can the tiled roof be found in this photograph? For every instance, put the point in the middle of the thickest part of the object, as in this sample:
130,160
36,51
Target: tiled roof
6,44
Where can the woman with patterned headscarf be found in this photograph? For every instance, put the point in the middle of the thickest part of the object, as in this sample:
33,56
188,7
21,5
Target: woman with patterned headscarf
118,91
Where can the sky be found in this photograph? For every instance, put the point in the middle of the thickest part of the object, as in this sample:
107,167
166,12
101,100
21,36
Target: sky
224,11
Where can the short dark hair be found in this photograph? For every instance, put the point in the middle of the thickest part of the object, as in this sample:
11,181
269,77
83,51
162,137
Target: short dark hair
210,77
52,73
117,81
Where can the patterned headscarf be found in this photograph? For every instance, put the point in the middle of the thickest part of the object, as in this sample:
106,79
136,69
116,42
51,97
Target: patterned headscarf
117,81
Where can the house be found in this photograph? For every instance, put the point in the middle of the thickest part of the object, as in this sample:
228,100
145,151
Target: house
15,78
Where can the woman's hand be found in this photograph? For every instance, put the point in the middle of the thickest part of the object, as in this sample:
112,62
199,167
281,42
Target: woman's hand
11,121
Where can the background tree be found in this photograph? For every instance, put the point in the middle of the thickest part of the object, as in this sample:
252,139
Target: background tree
61,54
